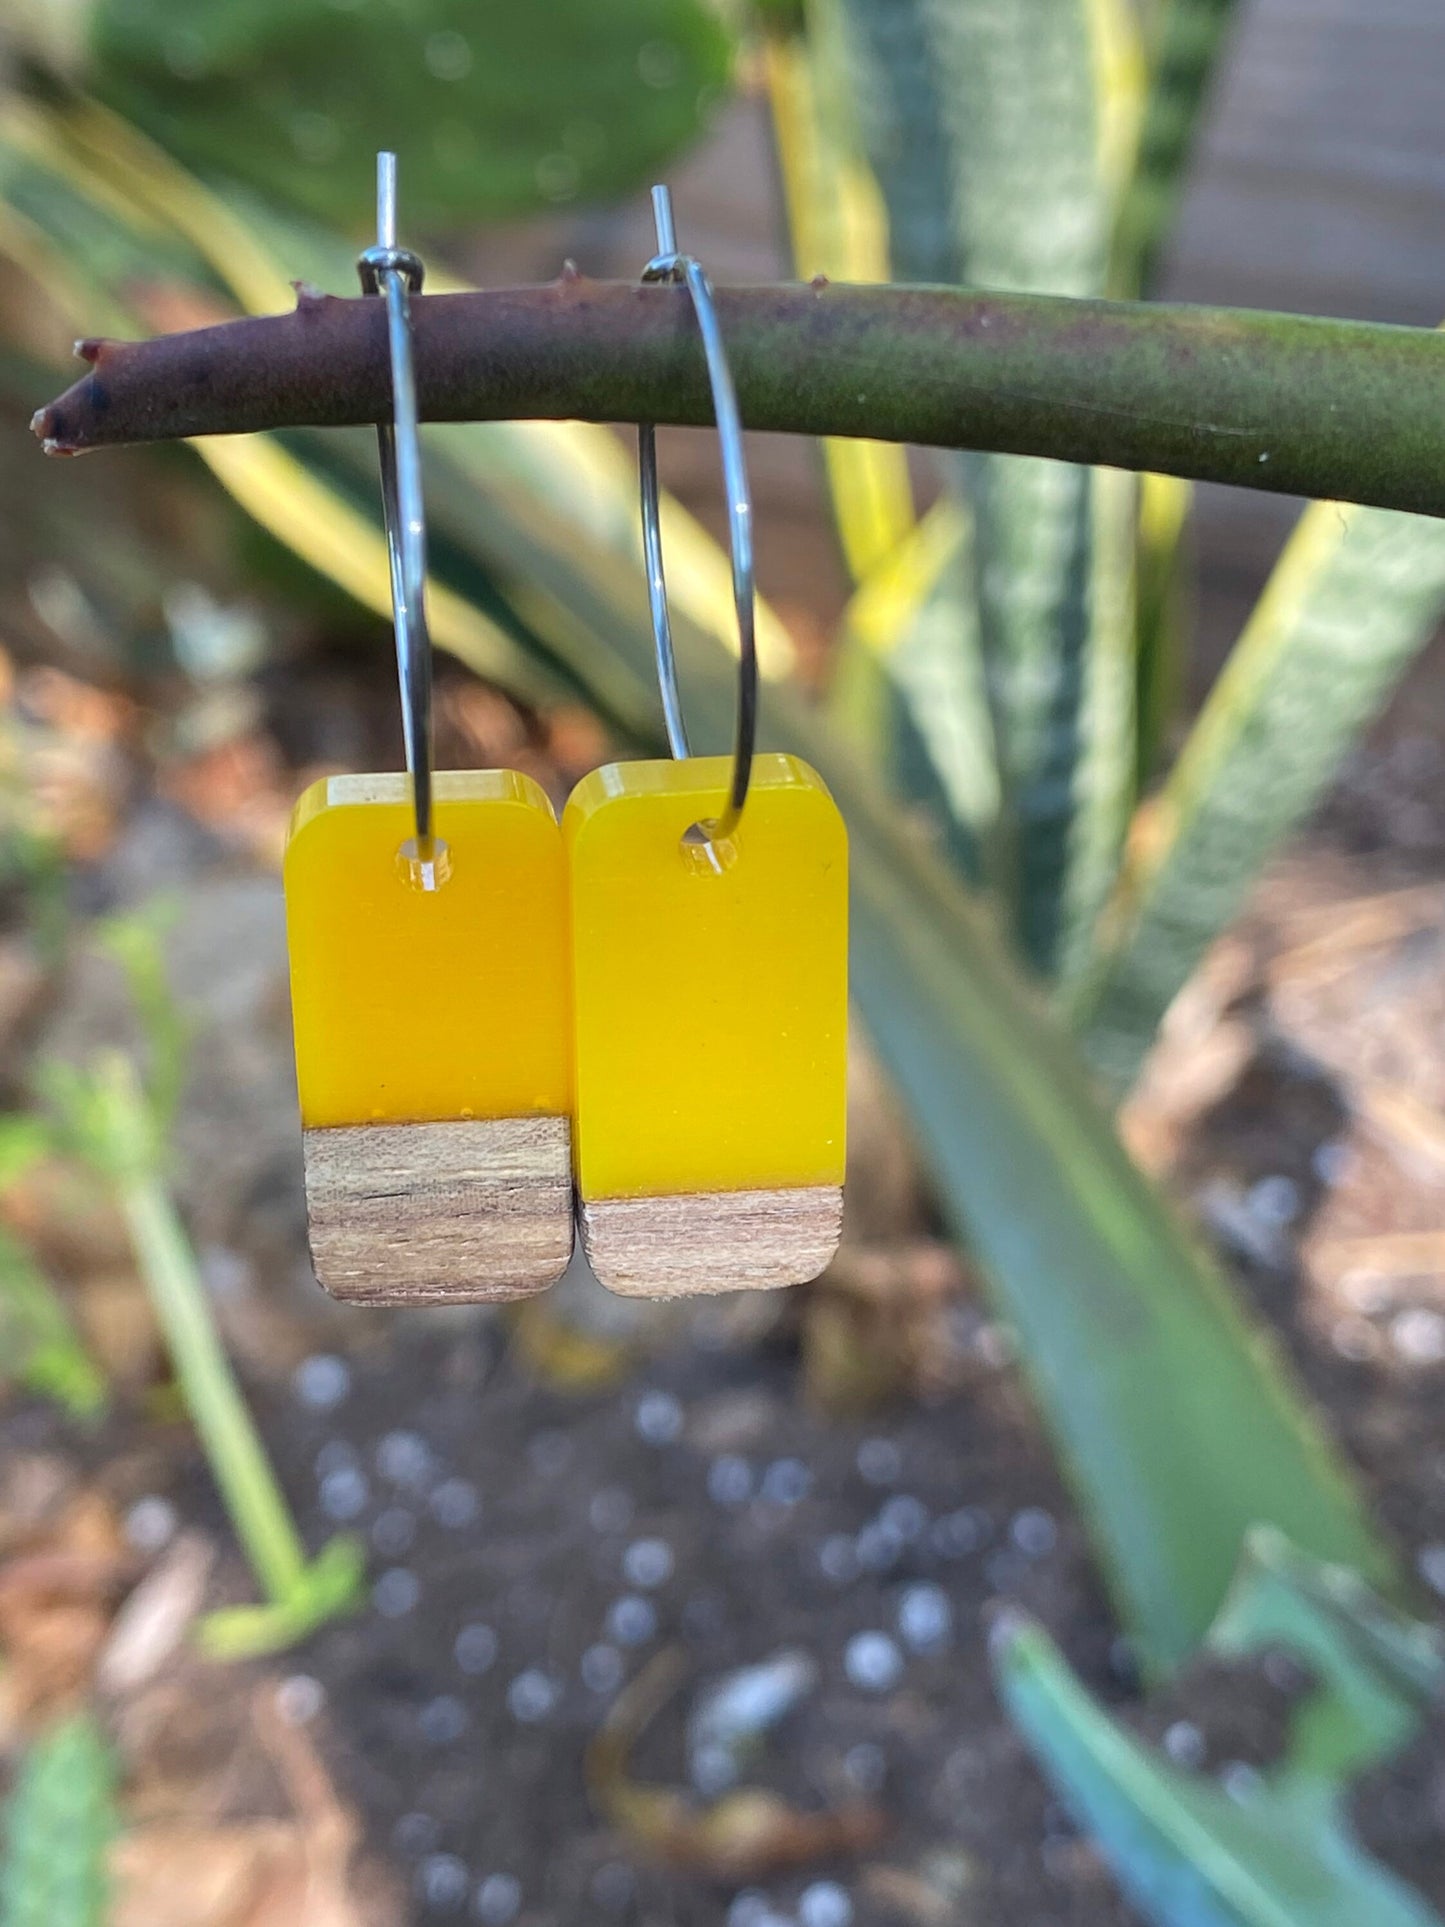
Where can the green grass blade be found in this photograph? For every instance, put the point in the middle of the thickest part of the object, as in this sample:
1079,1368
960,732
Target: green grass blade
1189,41
38,1343
1355,597
59,1825
1185,1852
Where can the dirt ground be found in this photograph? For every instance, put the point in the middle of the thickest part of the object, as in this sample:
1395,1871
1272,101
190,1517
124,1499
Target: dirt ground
590,1512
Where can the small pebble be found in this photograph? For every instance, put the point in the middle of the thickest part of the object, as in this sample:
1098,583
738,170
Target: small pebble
878,1546
405,1458
396,1592
333,1456
905,1515
442,1881
150,1524
1241,1781
611,1509
648,1563
873,1662
879,1461
343,1494
703,1615
1355,1339
613,1885
475,1648
322,1381
1034,1532
550,1452
1431,1561
825,1904
713,1770
299,1699
925,1618
393,1531
499,1899
1184,1743
959,1533
531,1696
631,1620
1274,1200
443,1720
1331,1162
454,1503
748,1909
837,1558
1418,1335
786,1482
658,1418
865,1766
601,1669
416,1833
729,1480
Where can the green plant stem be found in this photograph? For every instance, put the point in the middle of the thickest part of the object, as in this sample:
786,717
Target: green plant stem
237,1459
1347,410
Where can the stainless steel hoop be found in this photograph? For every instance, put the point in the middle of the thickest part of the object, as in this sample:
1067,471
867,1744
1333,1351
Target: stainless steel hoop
669,265
396,274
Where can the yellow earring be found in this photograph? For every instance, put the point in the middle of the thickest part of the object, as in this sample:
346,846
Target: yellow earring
429,978
709,966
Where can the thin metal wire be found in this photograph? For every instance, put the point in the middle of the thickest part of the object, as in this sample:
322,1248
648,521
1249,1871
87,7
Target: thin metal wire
669,265
396,274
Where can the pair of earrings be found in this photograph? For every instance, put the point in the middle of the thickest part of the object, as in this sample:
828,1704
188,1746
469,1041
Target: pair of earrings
644,1004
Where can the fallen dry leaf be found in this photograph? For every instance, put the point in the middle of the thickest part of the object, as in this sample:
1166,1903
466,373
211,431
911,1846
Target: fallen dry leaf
155,1619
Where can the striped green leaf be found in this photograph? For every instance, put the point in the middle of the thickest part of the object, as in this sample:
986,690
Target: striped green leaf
984,125
1189,40
1356,595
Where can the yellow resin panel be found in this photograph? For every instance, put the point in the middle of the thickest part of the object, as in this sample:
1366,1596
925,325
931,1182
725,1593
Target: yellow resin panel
411,1005
710,1006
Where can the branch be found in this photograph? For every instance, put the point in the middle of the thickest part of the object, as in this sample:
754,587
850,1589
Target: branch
1281,402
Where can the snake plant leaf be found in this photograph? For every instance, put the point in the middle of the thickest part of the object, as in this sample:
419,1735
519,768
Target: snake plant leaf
1189,41
1374,1670
984,126
496,115
1355,597
1279,1853
838,227
908,684
59,1826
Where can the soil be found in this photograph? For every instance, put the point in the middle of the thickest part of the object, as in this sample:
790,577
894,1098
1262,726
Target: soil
553,1500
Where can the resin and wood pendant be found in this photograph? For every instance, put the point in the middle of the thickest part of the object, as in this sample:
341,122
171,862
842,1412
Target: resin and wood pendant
710,1013
433,1056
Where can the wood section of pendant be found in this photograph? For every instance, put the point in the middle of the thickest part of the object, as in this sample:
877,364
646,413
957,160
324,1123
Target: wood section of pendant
710,1022
433,1052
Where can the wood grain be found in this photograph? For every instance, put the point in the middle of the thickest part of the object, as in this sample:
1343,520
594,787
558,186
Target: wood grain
699,1242
475,1211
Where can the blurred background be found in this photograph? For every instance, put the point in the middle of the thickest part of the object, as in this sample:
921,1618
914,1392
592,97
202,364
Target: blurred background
778,1608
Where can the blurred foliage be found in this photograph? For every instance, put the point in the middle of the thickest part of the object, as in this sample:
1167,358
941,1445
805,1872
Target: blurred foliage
499,109
1276,1850
59,1825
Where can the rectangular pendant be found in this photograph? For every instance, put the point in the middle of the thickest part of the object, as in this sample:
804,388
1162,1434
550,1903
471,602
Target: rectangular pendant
433,1046
710,1012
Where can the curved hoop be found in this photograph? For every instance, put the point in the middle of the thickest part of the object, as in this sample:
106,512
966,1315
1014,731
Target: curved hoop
669,265
396,274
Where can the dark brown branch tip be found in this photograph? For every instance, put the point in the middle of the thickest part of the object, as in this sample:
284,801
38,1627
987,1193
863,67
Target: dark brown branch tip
89,348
